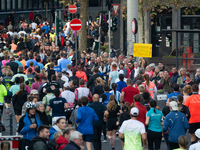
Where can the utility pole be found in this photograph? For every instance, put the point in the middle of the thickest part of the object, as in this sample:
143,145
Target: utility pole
56,38
132,12
109,33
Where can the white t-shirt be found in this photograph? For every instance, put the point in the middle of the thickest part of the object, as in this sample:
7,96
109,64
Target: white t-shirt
70,97
34,25
65,78
70,73
132,130
195,146
136,72
22,32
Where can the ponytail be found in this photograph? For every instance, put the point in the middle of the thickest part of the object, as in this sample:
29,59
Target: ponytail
146,77
22,87
114,87
153,105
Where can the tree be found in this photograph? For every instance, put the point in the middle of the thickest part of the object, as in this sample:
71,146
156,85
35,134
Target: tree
83,32
46,1
84,4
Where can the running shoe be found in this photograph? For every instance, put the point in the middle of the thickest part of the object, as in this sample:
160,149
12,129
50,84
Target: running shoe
104,141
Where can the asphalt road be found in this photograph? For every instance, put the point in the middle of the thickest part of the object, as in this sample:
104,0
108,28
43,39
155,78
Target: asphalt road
105,146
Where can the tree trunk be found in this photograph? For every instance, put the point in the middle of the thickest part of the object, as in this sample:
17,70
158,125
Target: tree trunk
83,32
141,24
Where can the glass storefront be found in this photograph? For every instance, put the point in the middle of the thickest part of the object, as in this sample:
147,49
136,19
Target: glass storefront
190,20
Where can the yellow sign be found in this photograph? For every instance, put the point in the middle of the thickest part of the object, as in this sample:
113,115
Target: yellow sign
142,50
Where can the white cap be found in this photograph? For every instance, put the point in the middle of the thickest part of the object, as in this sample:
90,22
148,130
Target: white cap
197,133
173,105
66,84
121,72
134,111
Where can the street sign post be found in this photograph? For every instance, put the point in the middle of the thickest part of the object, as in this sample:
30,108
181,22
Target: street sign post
72,9
76,25
115,8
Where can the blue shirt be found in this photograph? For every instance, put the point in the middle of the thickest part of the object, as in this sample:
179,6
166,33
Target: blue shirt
113,75
121,85
47,29
18,62
85,118
41,66
57,69
57,105
105,102
173,95
34,63
155,120
63,63
177,123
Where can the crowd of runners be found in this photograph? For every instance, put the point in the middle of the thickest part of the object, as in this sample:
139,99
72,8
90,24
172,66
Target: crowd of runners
60,102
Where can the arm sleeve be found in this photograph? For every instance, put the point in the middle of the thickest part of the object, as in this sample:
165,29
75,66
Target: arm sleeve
24,129
4,91
186,124
121,130
166,124
142,129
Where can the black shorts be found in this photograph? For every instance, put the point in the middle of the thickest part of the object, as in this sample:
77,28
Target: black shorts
87,137
68,114
18,112
111,124
1,108
193,127
7,99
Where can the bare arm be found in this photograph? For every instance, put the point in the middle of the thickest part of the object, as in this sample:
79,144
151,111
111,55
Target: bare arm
144,138
147,120
121,135
122,97
109,80
66,106
48,108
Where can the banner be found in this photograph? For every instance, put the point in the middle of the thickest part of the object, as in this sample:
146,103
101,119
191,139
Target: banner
142,50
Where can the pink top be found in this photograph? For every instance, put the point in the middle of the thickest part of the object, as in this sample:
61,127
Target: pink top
4,62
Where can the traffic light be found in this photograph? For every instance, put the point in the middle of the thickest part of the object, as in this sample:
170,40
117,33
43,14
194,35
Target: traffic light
114,23
59,25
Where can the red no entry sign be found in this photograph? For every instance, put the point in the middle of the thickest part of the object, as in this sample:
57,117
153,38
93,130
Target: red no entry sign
75,24
72,9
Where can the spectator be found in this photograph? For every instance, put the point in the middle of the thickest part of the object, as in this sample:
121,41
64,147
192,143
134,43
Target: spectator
40,139
166,81
76,141
182,74
64,139
175,93
175,75
31,16
160,97
58,126
29,123
40,110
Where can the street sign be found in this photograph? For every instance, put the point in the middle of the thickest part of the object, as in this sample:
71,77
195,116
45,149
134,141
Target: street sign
115,8
75,24
72,9
142,50
134,26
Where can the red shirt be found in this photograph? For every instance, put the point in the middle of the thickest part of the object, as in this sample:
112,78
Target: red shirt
142,112
130,92
129,72
31,16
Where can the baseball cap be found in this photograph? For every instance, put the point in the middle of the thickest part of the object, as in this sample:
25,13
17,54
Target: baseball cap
66,84
121,72
34,91
197,133
173,105
134,111
64,70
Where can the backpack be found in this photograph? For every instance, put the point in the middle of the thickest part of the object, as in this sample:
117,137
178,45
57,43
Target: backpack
25,144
